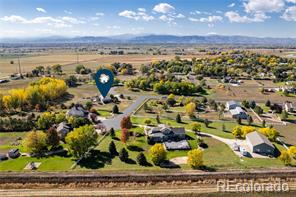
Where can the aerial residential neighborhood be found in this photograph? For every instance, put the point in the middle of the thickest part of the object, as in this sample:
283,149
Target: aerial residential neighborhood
100,98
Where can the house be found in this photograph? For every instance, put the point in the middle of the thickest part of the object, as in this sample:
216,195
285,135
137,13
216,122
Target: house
290,107
63,129
172,138
105,100
259,143
77,111
164,134
231,105
238,112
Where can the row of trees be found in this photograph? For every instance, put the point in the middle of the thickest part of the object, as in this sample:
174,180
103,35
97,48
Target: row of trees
242,131
37,93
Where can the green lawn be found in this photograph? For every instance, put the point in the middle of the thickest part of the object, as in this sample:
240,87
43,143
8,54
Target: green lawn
214,128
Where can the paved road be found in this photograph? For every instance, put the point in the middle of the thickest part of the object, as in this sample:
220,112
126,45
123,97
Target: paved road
115,121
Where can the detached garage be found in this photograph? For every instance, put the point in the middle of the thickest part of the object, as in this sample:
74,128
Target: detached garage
259,143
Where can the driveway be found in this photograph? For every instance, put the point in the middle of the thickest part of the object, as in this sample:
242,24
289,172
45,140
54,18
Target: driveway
115,121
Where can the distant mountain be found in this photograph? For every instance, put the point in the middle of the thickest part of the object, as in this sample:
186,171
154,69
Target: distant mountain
159,39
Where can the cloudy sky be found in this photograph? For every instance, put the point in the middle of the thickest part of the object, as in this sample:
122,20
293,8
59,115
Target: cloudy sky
263,18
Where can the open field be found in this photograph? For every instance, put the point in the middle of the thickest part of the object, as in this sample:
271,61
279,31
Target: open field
69,61
249,90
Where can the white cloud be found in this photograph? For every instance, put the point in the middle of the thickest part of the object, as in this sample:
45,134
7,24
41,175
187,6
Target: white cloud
67,12
141,9
100,14
180,16
253,6
166,18
136,15
235,17
209,19
231,5
14,19
72,20
41,10
291,1
59,22
289,14
163,8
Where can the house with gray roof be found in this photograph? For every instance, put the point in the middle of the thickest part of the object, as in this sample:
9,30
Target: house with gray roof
63,129
238,112
259,143
231,105
174,138
77,111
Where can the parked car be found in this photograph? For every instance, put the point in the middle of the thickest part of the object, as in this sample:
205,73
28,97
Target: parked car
235,146
14,153
3,157
243,151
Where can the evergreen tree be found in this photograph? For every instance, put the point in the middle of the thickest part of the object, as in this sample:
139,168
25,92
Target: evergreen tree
112,149
178,118
123,155
141,159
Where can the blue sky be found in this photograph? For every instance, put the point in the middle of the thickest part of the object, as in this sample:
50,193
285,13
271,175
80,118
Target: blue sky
262,18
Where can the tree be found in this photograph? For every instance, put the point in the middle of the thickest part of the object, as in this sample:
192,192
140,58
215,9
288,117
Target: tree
123,155
124,135
270,133
88,105
245,130
178,118
268,103
46,120
223,127
284,115
35,142
258,110
190,109
195,127
263,123
292,151
81,139
112,149
126,123
285,157
195,158
71,81
239,121
53,138
115,109
57,69
79,68
250,120
207,122
147,121
112,133
157,119
141,159
157,154
171,101
60,117
77,121
237,132
252,104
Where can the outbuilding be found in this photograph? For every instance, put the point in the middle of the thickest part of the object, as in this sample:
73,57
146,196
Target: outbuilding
259,143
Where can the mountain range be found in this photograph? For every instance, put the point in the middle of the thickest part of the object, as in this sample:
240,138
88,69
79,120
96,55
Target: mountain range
158,39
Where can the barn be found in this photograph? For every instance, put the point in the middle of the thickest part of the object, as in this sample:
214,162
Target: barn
259,143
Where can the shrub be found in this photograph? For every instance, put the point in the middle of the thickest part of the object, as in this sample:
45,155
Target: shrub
157,154
123,155
112,149
195,158
141,159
